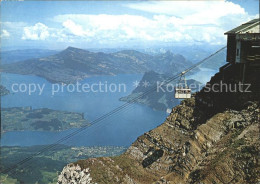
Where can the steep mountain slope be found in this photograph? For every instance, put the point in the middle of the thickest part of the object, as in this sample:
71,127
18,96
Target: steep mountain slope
211,138
74,64
187,148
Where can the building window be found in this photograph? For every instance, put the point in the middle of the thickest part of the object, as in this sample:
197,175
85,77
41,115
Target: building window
237,52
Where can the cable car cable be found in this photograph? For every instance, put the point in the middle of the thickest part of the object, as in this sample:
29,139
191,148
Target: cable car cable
101,118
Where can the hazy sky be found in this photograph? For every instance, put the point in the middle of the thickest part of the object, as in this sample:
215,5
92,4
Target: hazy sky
104,24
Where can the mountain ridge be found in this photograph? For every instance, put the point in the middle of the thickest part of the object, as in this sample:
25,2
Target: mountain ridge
74,64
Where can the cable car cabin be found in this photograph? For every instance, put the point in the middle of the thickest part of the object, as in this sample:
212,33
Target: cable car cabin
182,93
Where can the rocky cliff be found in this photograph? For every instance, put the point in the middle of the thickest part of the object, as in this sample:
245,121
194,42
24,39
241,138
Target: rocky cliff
74,174
210,138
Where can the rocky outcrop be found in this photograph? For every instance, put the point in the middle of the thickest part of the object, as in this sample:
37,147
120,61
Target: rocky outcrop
189,148
72,174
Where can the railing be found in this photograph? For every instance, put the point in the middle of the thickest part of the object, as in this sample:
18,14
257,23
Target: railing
253,58
249,36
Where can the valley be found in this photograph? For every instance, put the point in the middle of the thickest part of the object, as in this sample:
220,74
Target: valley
45,167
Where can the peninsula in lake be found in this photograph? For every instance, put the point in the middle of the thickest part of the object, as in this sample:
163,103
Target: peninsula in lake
26,118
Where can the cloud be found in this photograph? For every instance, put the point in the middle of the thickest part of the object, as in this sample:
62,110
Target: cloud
105,28
13,25
169,21
4,34
12,30
37,32
213,9
157,28
73,28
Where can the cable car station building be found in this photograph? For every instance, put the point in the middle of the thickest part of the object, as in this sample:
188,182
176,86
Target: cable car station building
243,47
243,67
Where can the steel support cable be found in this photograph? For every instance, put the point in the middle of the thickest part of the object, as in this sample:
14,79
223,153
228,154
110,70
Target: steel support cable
114,111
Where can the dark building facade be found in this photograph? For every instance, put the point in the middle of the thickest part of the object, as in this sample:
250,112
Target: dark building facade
243,52
243,43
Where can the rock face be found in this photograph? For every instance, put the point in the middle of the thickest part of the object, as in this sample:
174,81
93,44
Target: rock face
189,148
72,174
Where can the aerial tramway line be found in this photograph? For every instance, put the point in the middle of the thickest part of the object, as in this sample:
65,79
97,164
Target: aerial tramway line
181,92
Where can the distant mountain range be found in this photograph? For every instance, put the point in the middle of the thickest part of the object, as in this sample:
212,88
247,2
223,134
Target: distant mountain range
159,97
73,64
193,53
